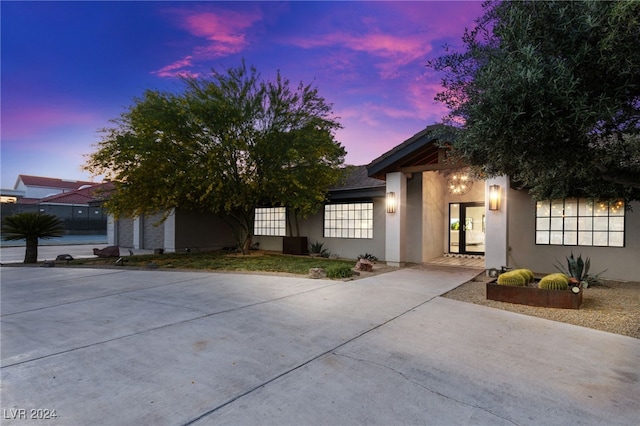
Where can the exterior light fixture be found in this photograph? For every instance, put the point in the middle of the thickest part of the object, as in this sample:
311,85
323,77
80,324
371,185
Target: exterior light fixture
459,183
391,202
494,197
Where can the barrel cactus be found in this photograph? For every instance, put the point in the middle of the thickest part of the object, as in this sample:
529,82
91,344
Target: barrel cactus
554,282
512,278
526,274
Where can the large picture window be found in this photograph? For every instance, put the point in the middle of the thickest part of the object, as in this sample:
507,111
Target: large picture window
350,220
580,222
270,221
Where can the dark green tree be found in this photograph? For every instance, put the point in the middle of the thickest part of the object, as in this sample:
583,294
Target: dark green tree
226,144
548,92
31,227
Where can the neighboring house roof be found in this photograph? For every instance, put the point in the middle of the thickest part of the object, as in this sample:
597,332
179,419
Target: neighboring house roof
55,183
357,184
418,153
83,196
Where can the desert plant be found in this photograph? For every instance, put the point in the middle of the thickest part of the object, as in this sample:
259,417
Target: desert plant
369,257
555,281
317,249
526,274
511,278
339,271
579,269
30,227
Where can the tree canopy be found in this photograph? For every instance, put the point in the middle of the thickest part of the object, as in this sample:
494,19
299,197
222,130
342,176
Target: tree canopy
549,93
227,143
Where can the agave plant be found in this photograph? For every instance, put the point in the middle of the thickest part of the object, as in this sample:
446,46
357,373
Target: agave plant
579,269
318,250
31,227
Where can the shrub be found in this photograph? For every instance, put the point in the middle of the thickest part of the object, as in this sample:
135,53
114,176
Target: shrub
339,271
369,257
554,282
317,248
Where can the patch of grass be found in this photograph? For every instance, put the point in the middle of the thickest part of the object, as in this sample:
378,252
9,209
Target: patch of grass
221,261
339,271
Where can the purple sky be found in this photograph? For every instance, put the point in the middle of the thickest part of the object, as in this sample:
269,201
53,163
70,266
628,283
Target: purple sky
69,67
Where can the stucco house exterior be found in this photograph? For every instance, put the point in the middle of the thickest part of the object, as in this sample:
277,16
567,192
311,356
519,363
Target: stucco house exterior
412,206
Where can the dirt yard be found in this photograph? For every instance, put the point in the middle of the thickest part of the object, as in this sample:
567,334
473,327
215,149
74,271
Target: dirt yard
613,306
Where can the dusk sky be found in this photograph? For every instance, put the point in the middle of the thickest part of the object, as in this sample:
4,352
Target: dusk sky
69,67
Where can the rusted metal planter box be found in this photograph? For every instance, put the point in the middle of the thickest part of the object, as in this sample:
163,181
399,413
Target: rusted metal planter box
564,299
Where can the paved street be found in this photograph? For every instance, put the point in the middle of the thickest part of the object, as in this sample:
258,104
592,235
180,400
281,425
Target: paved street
118,347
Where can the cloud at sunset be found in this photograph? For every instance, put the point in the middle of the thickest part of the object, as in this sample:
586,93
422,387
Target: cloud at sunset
218,34
392,52
367,59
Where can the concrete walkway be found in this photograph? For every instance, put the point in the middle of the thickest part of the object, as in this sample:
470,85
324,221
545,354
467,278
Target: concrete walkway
114,347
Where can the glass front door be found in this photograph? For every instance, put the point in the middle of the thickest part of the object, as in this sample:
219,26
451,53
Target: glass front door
466,228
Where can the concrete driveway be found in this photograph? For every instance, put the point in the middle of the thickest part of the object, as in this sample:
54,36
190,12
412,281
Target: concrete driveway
116,347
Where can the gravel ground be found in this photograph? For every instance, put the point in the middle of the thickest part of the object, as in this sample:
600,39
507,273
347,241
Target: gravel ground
613,306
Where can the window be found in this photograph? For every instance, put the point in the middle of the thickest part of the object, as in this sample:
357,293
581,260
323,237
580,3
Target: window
270,221
580,222
352,220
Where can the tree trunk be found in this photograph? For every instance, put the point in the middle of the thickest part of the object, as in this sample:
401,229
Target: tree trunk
246,246
31,251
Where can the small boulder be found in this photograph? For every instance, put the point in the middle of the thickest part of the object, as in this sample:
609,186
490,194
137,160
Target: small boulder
364,265
109,251
317,273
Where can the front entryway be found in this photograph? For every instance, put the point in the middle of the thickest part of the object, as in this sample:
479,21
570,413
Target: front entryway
466,228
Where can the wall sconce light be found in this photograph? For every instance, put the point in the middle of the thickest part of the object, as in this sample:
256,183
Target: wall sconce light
494,197
391,202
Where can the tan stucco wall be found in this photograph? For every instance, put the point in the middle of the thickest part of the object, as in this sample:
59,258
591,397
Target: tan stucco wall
434,216
415,227
622,263
348,248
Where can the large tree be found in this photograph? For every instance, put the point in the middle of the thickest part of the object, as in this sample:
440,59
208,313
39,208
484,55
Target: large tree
227,143
548,92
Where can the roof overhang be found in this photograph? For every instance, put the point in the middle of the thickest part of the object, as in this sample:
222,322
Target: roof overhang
357,194
419,153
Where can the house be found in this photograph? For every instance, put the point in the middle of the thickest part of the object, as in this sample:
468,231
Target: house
78,204
28,189
411,205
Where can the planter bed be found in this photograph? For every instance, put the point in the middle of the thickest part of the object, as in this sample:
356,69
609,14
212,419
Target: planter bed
534,296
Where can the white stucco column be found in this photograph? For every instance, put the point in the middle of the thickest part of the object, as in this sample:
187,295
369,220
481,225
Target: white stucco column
170,232
138,228
496,237
112,229
395,238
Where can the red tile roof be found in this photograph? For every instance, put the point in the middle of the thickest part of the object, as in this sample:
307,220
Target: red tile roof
46,182
81,196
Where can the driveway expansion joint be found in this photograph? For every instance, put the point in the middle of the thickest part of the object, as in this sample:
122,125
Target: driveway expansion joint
305,363
428,389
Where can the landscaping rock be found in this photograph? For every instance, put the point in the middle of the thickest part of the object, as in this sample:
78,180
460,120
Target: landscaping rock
66,257
364,265
109,251
317,273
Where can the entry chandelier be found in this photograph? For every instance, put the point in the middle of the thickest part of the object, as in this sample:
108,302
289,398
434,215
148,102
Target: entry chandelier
459,183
